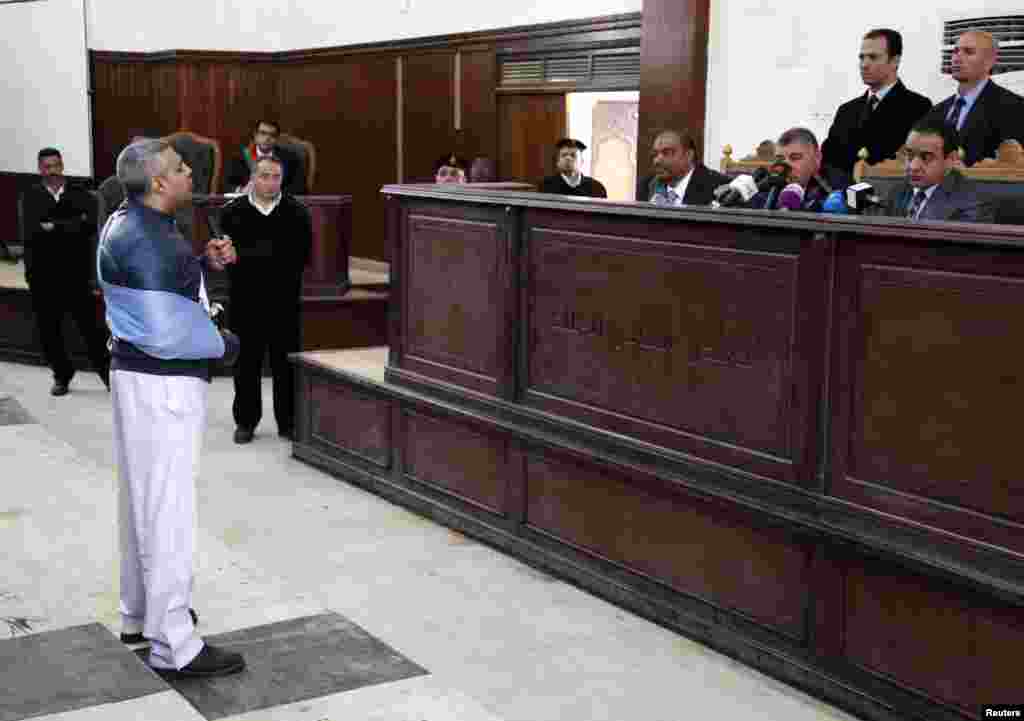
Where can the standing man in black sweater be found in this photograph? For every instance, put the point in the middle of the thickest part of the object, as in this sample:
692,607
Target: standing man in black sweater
273,237
59,220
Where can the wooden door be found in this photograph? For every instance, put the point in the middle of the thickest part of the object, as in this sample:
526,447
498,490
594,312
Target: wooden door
528,128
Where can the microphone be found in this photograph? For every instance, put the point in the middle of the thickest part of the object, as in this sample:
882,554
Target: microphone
791,197
835,203
862,196
213,223
740,190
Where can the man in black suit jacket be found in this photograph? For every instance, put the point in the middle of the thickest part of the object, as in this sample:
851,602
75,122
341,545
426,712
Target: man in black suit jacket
264,143
933,189
880,118
679,177
984,113
60,220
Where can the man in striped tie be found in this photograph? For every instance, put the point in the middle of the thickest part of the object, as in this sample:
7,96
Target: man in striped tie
982,112
934,189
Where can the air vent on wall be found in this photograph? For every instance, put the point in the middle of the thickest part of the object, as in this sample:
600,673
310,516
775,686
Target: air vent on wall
1008,30
615,68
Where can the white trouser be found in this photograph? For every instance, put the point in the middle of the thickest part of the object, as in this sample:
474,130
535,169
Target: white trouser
158,426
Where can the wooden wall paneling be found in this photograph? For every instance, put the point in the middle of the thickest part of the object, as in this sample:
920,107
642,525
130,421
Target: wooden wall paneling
528,128
9,190
478,133
223,99
131,97
346,108
428,112
673,71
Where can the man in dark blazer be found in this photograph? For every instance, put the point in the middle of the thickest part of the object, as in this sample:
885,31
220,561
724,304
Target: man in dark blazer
880,118
985,114
933,189
679,177
264,143
60,220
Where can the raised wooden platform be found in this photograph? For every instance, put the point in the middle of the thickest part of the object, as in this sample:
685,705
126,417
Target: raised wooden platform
785,435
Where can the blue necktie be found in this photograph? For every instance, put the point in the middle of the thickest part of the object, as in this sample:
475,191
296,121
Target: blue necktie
954,117
915,205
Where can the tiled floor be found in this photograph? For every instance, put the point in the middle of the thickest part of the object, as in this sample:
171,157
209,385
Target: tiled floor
280,543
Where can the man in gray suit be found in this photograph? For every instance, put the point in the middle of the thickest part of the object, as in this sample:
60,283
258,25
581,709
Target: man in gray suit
934,190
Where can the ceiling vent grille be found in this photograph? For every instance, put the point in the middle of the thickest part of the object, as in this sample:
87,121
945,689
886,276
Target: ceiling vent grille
617,68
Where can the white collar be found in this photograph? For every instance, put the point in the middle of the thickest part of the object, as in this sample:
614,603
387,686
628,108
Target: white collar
265,211
56,193
573,181
680,187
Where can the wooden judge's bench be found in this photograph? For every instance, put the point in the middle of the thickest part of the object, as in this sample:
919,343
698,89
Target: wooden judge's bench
792,437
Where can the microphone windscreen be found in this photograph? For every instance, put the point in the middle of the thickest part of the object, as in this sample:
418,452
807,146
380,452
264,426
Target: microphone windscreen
746,186
835,203
722,190
791,197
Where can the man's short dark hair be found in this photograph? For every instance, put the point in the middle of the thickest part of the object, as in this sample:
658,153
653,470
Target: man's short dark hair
798,135
686,139
270,157
950,137
452,161
273,123
48,153
893,40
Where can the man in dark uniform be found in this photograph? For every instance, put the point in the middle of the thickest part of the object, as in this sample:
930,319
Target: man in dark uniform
59,221
880,118
273,237
569,180
264,143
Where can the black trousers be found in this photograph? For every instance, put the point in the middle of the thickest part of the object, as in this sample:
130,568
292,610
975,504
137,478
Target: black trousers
275,331
51,302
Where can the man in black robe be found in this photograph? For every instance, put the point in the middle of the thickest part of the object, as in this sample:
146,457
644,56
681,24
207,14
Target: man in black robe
569,180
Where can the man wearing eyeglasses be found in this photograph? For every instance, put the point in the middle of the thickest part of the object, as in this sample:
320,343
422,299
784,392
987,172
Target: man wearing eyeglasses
934,189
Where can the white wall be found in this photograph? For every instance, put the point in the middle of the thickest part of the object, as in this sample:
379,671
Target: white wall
295,24
773,65
44,91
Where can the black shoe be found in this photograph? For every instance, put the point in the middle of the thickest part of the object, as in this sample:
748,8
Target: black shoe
59,389
135,638
243,435
211,661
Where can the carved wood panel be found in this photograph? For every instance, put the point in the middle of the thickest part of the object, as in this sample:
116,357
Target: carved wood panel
697,339
930,389
937,638
692,546
351,420
454,295
457,459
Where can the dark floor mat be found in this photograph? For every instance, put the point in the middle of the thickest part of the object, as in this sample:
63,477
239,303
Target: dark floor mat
294,661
